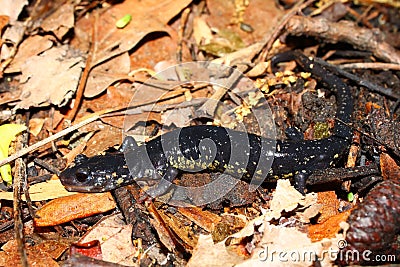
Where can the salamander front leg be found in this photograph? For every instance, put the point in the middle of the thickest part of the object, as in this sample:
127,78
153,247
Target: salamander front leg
129,144
300,181
163,186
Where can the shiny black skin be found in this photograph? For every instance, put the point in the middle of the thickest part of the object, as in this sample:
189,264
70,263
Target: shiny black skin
164,157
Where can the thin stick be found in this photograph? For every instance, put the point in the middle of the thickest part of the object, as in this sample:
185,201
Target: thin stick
371,65
35,146
84,77
18,224
270,39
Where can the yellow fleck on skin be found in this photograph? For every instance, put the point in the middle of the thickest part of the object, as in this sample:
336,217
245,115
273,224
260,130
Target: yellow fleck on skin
305,75
120,181
259,172
286,176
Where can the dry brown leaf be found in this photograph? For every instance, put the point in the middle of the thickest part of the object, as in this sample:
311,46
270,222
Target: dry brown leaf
14,34
55,248
36,257
61,21
201,31
31,46
115,240
207,253
287,198
255,14
205,219
284,245
390,169
68,208
106,74
50,78
36,125
329,228
12,8
330,205
149,16
177,225
4,19
180,117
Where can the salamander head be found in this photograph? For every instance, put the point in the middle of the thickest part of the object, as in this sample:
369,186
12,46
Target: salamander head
96,174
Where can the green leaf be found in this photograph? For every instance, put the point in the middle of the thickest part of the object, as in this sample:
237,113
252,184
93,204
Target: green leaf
350,197
7,134
123,22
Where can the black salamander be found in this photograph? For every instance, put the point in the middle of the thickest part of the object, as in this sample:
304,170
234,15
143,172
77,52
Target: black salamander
166,156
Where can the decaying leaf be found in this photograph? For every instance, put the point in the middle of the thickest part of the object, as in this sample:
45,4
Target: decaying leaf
60,21
115,240
8,133
12,8
329,228
149,16
209,254
50,78
36,256
287,198
68,208
107,73
42,191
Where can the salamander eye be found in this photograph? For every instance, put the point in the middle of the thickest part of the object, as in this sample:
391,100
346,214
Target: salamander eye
82,175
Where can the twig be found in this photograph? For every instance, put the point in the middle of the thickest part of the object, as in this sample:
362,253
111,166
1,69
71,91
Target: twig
18,224
182,27
344,31
271,37
370,65
85,75
35,146
371,86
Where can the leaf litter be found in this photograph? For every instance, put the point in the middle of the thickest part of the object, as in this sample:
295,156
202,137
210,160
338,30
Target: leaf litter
116,51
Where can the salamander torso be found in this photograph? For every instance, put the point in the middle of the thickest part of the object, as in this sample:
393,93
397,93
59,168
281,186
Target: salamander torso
242,155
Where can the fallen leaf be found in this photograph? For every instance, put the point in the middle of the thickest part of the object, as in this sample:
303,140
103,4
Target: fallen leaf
36,125
50,78
12,8
4,19
147,17
42,191
207,253
36,257
60,21
14,34
389,168
290,246
180,117
222,16
330,205
205,219
115,240
55,248
107,73
329,228
287,198
65,209
201,31
8,132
